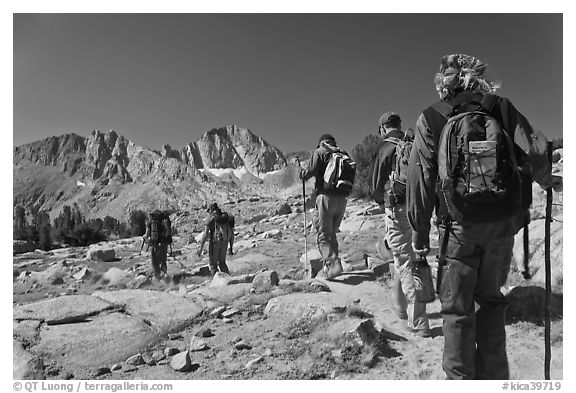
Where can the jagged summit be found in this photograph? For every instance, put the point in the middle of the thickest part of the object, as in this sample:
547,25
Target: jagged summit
48,173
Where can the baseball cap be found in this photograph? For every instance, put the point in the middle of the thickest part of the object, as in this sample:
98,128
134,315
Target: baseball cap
386,117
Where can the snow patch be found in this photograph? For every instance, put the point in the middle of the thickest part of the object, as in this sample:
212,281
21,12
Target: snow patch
238,172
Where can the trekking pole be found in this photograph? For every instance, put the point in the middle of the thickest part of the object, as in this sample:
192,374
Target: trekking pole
547,270
305,223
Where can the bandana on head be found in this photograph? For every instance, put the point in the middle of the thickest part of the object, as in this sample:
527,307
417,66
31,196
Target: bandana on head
462,72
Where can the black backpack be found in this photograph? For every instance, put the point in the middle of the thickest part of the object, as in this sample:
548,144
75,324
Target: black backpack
160,228
478,175
399,174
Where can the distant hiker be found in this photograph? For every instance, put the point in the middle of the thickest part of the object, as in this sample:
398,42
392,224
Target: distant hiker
334,172
388,175
472,150
219,231
159,237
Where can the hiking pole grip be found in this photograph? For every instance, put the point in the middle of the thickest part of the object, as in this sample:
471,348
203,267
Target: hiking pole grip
547,268
526,237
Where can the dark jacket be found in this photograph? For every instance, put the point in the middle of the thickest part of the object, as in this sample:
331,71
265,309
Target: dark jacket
423,170
316,168
383,164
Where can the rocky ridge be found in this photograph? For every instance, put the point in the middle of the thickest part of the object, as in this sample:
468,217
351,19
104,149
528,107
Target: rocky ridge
107,173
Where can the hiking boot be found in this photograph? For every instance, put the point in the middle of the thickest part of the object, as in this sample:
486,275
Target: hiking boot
332,268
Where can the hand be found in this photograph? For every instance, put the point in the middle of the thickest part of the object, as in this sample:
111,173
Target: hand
421,250
301,174
557,183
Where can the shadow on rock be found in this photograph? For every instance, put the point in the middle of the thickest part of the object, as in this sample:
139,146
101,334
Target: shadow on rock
356,278
528,304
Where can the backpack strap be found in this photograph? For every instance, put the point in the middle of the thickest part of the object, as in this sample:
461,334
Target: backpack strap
437,115
393,140
489,102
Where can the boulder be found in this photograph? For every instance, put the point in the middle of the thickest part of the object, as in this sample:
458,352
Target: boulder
272,234
253,362
222,279
181,362
303,307
284,209
312,262
249,263
198,344
104,340
136,360
101,254
83,274
115,276
536,248
62,309
265,281
365,333
24,364
164,311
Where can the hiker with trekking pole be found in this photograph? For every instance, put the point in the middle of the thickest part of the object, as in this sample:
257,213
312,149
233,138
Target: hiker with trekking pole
334,171
473,155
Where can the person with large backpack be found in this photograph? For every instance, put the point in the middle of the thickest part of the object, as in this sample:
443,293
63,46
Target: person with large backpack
159,237
219,231
335,172
473,156
387,183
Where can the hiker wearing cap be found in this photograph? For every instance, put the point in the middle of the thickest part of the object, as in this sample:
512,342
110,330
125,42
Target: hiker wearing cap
330,203
474,155
388,188
219,231
159,237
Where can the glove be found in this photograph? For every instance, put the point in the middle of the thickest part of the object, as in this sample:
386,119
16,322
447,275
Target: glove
301,174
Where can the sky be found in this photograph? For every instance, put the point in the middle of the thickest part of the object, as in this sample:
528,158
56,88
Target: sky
168,78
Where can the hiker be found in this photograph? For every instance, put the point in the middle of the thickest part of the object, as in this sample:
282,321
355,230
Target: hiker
158,236
388,185
219,231
473,166
331,189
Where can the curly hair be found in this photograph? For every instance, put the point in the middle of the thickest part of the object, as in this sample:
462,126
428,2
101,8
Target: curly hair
459,72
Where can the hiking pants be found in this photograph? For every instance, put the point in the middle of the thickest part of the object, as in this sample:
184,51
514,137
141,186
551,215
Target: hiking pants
217,256
330,212
159,256
473,308
399,237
